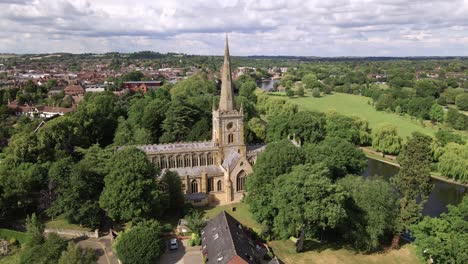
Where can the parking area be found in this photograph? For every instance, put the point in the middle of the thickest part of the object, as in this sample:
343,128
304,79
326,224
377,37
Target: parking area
182,255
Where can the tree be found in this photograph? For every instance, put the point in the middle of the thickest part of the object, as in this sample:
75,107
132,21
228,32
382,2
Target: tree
385,139
172,186
444,137
47,252
258,128
462,101
344,127
371,210
141,244
35,229
77,255
456,119
340,156
454,162
130,188
289,92
195,222
316,92
425,87
443,239
178,122
247,90
310,81
77,188
413,182
436,113
278,158
306,126
300,91
307,201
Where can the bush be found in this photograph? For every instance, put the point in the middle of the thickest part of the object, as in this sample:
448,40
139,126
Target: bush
316,92
167,228
140,244
195,240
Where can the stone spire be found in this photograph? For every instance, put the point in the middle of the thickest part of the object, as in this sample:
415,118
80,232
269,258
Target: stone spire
226,102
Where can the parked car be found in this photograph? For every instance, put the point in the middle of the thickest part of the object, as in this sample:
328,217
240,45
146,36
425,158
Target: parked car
173,245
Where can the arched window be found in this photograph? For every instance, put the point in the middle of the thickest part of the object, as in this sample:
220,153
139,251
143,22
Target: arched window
194,186
209,159
230,138
203,159
219,185
210,184
240,181
172,162
194,160
187,161
180,161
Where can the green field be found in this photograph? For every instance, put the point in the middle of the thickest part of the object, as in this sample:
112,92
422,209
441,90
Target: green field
8,234
354,105
322,253
62,223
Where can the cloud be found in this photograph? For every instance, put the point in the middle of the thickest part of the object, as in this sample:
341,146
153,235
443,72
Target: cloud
261,27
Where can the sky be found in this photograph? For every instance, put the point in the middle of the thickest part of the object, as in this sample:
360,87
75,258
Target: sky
256,27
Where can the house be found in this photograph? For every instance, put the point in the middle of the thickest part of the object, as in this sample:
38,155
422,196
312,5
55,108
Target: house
225,240
142,86
38,111
74,90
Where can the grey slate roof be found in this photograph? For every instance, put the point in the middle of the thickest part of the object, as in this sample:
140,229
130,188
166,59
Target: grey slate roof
231,160
224,238
197,171
182,146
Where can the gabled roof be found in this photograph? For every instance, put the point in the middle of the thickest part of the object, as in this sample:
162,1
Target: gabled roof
225,240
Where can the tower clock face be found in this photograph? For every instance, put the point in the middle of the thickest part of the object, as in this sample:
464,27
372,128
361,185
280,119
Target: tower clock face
231,126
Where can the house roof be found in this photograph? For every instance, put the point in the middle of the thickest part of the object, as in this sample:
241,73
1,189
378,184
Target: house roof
225,240
197,171
182,146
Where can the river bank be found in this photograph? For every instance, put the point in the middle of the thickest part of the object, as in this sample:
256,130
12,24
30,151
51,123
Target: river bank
389,159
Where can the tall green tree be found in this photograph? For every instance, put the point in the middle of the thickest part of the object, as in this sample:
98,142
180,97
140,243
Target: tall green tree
340,156
277,159
130,188
307,201
443,239
141,244
371,211
172,186
77,255
437,113
413,182
385,139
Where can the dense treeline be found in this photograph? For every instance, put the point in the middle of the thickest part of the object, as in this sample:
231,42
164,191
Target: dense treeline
310,191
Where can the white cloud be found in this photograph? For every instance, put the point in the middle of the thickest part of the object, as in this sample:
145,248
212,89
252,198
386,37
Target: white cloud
261,27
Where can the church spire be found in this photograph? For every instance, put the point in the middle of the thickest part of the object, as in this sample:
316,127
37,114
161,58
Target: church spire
226,102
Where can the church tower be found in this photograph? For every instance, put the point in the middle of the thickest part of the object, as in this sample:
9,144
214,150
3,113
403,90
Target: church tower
228,122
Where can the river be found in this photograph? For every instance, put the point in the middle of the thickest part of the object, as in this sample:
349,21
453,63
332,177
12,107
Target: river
267,85
442,195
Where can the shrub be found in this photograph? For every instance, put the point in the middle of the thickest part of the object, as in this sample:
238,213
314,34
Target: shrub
316,92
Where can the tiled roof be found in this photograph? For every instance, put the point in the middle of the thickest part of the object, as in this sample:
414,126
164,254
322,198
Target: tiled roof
225,239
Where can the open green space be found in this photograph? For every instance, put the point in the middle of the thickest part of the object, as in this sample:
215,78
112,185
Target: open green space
354,105
241,213
285,250
10,258
62,223
8,234
318,253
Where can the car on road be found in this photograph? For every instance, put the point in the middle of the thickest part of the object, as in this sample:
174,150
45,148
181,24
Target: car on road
173,245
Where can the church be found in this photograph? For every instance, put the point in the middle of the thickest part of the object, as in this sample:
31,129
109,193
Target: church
215,171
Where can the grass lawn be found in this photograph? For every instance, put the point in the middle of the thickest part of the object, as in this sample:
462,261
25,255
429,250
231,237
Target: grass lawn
8,234
242,214
10,259
354,105
285,250
61,223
